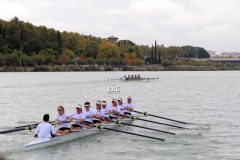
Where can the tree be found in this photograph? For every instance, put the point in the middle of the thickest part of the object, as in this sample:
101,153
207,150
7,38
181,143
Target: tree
12,58
0,29
63,58
4,33
59,39
90,61
108,50
159,57
50,59
21,34
155,53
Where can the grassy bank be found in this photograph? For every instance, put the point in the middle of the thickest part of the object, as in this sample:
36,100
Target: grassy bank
73,68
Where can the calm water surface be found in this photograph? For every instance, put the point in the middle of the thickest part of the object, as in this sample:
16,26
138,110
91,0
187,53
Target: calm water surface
209,101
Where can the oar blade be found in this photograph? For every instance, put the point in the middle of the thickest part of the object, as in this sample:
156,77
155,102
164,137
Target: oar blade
140,135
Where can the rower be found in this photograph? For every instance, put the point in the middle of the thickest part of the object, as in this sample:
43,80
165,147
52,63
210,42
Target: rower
62,120
88,113
105,111
128,106
98,114
45,129
121,107
139,77
114,110
78,117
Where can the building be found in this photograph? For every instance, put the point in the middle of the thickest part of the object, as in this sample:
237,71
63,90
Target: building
213,54
230,54
112,39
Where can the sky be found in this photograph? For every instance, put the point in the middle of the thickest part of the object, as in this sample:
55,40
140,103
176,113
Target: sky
211,24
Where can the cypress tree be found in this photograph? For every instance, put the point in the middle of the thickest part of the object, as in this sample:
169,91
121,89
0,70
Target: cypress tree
21,34
59,39
152,55
155,59
0,28
10,31
4,33
159,57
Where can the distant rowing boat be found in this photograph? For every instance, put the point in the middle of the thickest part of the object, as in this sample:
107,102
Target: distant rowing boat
134,79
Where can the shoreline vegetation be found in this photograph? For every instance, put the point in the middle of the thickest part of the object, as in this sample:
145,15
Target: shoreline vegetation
28,48
86,68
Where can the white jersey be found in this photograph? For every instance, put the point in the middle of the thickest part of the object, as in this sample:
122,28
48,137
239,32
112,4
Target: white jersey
105,111
45,130
62,118
128,105
98,112
121,109
115,108
75,116
88,115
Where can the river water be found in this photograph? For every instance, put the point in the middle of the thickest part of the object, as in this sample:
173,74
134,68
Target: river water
208,101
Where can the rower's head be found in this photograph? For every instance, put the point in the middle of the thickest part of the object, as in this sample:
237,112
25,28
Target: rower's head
60,110
114,102
79,108
129,99
87,106
98,105
119,100
46,117
104,104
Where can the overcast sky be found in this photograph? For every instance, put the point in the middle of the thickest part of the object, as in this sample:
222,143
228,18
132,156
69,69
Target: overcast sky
211,24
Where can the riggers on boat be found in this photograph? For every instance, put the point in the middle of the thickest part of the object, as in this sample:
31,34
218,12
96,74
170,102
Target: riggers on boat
45,142
137,79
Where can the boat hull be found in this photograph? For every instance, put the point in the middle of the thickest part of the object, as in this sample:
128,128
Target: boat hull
45,142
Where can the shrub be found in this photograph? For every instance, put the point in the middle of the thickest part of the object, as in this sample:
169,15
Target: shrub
108,69
40,69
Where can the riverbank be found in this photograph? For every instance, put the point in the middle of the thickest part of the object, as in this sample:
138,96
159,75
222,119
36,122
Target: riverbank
73,68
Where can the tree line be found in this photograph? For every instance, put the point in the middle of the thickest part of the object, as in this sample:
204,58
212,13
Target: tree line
23,43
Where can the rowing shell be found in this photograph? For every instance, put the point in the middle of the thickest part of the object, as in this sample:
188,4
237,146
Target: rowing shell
130,80
45,142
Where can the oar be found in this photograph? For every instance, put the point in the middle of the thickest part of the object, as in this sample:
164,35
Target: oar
147,114
18,129
33,124
102,127
136,118
119,122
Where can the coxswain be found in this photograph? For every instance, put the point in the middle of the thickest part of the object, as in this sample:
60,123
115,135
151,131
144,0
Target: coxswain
62,120
45,129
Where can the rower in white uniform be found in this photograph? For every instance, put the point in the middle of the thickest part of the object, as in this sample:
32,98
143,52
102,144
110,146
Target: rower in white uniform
121,107
77,117
62,119
105,109
89,115
128,106
114,110
98,114
45,129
